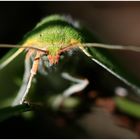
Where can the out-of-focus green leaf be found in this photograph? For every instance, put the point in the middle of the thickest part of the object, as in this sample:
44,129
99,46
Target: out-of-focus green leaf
127,106
68,103
8,112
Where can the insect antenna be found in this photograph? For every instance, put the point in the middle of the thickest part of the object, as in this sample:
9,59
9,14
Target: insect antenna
13,56
114,47
20,46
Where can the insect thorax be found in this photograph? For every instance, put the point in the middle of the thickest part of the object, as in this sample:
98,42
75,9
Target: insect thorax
53,33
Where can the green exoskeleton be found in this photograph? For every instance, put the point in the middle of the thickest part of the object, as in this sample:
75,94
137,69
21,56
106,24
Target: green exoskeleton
55,35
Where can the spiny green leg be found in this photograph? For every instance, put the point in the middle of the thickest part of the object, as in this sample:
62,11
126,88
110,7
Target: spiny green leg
79,86
28,77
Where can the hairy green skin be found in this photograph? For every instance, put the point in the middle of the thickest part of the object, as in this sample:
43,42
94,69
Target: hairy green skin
53,33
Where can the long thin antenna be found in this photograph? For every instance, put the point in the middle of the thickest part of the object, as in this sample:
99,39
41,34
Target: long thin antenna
21,46
107,46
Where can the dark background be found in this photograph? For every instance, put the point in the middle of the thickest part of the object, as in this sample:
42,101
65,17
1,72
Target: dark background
114,22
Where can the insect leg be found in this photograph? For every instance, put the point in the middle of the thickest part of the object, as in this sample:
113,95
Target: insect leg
25,79
79,86
32,73
28,76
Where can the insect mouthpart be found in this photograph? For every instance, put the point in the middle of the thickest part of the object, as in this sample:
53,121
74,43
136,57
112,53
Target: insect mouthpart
53,59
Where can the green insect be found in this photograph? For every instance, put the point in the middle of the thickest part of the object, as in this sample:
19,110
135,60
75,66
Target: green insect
53,36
